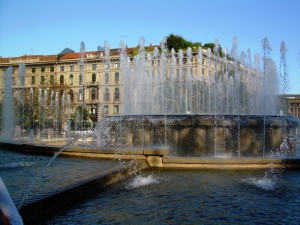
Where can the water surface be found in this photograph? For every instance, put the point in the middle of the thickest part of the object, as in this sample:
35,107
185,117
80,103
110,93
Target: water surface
18,171
193,197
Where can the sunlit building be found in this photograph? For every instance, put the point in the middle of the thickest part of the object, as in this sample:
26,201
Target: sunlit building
95,81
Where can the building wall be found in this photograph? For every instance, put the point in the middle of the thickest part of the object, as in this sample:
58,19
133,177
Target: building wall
100,83
65,75
294,105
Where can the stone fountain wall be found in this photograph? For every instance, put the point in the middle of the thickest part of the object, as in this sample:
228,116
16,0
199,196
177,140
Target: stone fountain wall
203,135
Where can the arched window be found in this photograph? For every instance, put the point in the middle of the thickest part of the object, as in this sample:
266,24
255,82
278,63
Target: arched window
93,78
117,77
117,94
61,79
71,81
51,79
106,78
33,80
106,94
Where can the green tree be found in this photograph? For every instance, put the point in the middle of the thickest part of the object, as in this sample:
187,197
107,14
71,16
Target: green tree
178,42
39,111
212,46
209,45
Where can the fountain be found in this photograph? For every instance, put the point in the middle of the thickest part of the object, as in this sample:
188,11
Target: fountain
8,112
225,109
201,102
203,106
209,100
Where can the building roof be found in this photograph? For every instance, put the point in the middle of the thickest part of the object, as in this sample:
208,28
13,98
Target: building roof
68,55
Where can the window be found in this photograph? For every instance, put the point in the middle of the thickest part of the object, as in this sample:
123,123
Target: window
116,65
93,111
71,95
33,70
116,109
80,79
117,77
106,78
42,79
117,94
61,79
106,94
105,109
71,80
62,68
93,94
93,78
33,80
61,93
80,95
94,66
43,69
203,71
52,69
51,79
71,68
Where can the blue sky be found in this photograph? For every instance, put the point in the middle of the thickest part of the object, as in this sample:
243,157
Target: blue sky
47,27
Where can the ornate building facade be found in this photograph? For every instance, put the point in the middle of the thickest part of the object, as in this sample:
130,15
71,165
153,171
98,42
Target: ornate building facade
100,86
95,79
293,102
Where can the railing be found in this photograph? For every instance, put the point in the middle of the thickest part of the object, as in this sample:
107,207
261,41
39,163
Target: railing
92,83
91,101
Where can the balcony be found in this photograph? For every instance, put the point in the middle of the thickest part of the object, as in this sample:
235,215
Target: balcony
91,101
92,84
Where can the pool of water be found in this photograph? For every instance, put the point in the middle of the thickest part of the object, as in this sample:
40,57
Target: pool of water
193,197
19,172
158,196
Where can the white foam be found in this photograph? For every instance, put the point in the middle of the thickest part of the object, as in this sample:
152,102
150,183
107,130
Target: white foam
267,184
140,181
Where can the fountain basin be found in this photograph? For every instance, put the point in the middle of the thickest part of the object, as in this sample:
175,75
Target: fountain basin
53,201
203,135
49,203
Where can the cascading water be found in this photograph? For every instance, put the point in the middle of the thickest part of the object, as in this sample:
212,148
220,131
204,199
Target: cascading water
21,99
107,68
202,84
31,95
222,89
164,82
81,80
8,112
175,89
283,75
289,137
